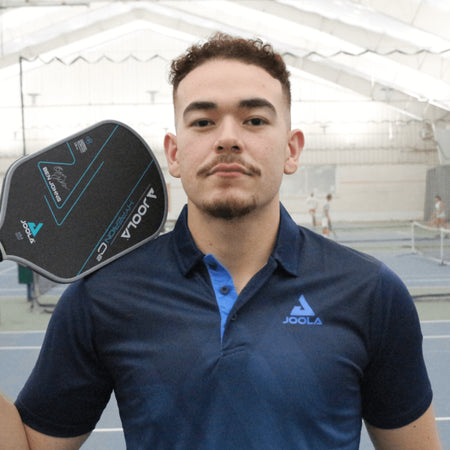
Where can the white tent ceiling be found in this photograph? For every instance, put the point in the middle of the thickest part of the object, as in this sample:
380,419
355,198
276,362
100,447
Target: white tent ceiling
397,52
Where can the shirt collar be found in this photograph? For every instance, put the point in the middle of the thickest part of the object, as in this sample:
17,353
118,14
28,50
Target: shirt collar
286,251
187,252
287,245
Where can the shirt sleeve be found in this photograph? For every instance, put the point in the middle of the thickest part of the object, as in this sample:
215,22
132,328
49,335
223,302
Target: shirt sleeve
396,389
68,387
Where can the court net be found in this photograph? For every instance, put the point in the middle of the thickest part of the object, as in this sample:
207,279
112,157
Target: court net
431,242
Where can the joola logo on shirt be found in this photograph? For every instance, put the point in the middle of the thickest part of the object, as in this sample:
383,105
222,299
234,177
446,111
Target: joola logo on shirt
302,314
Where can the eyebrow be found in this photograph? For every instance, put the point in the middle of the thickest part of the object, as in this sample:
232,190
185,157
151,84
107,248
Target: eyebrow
199,106
249,103
257,102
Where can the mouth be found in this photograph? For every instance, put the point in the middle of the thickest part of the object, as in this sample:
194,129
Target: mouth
226,167
229,170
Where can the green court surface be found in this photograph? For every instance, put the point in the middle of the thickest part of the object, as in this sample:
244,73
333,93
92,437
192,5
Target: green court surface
16,314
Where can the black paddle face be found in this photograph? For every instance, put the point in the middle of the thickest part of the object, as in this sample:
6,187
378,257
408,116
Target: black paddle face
83,202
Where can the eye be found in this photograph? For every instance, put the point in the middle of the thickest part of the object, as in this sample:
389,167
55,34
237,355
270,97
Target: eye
256,121
202,123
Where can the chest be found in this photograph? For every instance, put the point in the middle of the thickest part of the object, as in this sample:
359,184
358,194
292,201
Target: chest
285,337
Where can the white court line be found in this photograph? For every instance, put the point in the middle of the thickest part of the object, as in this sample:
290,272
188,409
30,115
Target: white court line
107,430
442,336
22,332
24,347
442,419
435,321
425,278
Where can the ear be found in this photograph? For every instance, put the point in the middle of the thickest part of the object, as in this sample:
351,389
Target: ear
171,151
295,146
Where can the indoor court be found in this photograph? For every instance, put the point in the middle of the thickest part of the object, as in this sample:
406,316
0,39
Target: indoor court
22,329
370,82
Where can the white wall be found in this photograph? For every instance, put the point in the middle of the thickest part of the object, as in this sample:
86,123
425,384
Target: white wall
371,193
375,154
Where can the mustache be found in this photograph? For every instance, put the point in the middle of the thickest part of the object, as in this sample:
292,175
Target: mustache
250,169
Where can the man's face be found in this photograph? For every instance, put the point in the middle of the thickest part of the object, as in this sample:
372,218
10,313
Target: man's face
233,140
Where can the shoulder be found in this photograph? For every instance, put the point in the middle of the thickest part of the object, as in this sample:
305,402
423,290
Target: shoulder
349,270
329,255
151,261
153,255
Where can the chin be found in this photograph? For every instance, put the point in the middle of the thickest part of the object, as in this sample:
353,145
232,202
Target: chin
229,210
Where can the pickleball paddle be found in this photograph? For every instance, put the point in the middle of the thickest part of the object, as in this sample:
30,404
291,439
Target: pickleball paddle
81,203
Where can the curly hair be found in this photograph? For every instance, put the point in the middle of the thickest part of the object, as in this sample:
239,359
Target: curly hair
224,46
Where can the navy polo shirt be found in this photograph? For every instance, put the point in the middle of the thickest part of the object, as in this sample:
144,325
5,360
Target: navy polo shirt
320,337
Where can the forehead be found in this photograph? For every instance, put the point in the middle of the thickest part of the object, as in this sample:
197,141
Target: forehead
224,80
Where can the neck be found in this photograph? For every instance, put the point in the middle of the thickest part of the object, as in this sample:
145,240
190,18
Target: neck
242,245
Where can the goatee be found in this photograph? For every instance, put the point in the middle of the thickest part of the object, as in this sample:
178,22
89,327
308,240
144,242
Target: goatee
229,210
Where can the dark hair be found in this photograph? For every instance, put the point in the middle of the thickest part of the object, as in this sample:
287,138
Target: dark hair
224,46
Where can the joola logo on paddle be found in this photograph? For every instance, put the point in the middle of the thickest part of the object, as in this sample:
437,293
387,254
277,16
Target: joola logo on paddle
141,211
302,314
31,230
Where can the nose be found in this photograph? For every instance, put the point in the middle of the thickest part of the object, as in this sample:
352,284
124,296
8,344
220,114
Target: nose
228,138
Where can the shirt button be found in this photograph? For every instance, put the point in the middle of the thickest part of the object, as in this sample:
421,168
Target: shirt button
224,290
234,317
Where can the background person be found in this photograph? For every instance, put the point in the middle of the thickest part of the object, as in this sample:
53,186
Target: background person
312,204
438,218
326,218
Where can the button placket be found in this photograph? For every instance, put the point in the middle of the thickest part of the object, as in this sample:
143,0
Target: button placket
223,286
224,290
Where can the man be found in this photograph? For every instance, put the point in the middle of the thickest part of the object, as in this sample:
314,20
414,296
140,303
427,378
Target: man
239,329
312,203
326,219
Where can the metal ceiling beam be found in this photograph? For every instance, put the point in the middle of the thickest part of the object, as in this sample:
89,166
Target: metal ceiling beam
116,14
396,99
27,3
91,23
349,78
379,42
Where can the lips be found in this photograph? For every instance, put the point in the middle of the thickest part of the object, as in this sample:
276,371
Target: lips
229,169
228,166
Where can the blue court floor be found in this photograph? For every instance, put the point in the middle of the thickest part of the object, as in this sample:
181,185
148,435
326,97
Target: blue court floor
22,329
19,350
